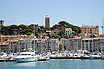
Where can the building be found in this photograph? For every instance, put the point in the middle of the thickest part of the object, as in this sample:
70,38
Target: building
64,43
4,47
54,44
1,23
13,45
90,30
68,31
78,43
53,32
74,43
93,44
61,28
47,22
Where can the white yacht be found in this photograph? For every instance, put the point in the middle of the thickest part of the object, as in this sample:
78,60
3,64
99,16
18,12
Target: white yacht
26,57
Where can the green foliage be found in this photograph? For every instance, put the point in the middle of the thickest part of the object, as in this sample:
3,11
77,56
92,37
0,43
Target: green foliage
31,26
36,33
61,33
28,33
23,29
57,36
5,30
42,30
22,26
13,29
68,25
66,36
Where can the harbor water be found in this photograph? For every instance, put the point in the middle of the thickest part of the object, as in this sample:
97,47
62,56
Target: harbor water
55,64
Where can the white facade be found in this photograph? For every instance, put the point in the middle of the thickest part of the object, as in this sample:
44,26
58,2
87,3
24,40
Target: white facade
68,31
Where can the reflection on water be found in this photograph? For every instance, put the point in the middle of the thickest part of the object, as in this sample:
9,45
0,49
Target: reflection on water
26,64
56,64
3,64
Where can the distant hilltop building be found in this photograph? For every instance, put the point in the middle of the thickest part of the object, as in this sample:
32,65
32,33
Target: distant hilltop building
90,30
1,23
68,31
47,22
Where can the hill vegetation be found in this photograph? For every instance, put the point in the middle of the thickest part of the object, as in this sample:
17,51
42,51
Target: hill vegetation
28,30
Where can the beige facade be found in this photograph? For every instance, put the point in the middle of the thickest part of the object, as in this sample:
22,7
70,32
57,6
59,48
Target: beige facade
68,31
78,43
89,30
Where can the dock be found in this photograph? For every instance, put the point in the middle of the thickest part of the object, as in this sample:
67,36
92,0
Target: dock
65,57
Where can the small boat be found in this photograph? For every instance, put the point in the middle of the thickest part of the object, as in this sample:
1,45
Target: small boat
76,56
102,57
43,57
95,56
26,57
85,57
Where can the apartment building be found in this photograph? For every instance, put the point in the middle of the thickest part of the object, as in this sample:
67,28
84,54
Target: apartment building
65,45
89,30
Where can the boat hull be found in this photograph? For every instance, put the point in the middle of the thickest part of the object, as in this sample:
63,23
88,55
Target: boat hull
25,59
102,57
95,57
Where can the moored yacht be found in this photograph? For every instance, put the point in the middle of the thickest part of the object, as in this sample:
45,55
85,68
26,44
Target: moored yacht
26,57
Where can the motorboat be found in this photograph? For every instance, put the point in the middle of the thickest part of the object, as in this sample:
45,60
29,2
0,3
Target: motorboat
85,57
43,57
95,56
26,57
76,56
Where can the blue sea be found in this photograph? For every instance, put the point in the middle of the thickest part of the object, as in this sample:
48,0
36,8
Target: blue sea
55,64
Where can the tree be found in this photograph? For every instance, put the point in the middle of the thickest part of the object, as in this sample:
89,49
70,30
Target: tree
31,26
61,33
21,28
28,33
5,30
25,31
13,29
66,36
57,36
68,25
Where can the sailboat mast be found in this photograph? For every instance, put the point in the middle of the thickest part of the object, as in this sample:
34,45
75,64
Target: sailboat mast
34,38
92,38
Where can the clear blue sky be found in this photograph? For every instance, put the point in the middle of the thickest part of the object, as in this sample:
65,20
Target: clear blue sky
76,12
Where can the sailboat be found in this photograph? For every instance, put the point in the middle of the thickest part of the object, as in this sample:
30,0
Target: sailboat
27,56
43,56
94,55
